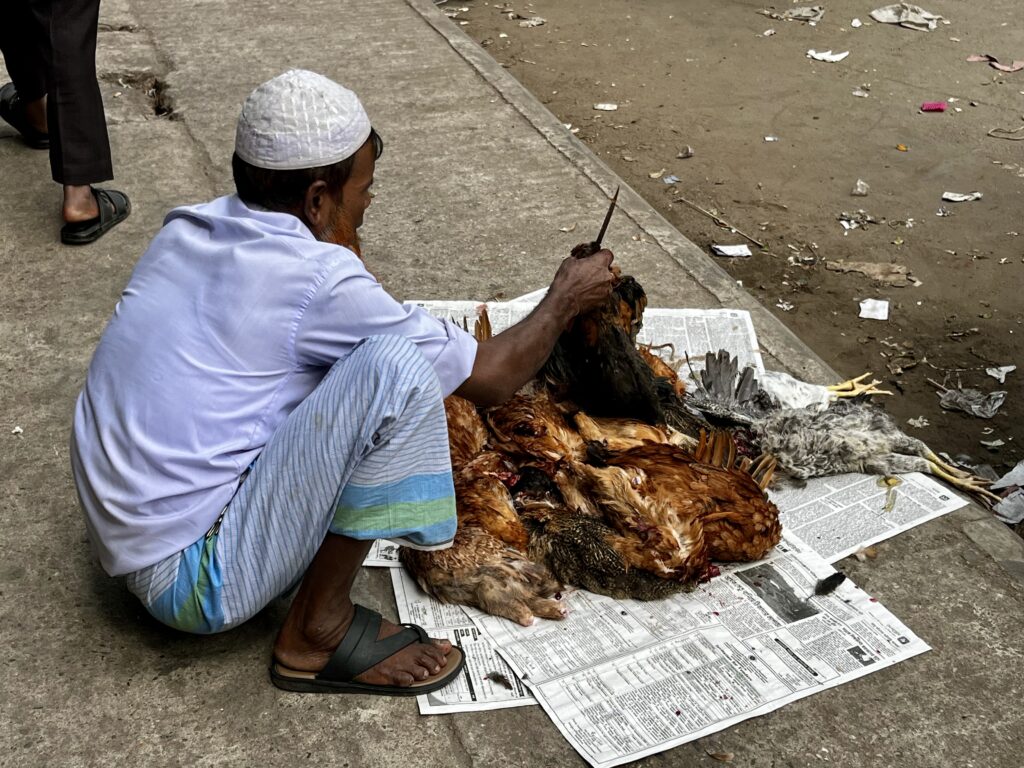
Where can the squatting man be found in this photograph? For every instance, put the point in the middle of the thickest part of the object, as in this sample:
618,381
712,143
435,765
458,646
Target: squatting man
259,409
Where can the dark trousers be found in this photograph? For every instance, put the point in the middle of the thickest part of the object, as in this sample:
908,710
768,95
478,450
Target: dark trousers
49,48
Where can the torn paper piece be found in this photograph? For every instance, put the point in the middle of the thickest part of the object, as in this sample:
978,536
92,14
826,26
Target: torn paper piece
1014,477
972,401
920,422
895,275
1011,509
1015,66
827,55
741,251
961,197
860,188
606,107
874,309
856,23
858,218
811,14
999,374
907,15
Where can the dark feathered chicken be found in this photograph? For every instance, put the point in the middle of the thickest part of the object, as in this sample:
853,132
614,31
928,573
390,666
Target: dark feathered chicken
596,365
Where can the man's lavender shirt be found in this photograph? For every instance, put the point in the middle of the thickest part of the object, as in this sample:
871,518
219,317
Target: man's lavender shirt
231,318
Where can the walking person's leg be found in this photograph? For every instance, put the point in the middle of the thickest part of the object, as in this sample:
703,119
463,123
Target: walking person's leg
23,101
79,144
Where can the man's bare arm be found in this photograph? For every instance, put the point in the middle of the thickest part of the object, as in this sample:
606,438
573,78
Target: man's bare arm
507,361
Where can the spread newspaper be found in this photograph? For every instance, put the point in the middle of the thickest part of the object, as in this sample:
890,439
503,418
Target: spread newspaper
623,679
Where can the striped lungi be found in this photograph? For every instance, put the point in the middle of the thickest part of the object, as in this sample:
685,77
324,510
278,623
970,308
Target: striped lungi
364,456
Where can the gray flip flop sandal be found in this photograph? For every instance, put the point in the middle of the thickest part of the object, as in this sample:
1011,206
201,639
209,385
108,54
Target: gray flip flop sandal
358,651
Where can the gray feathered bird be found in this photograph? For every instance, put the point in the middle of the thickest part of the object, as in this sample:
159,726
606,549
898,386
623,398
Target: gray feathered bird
849,434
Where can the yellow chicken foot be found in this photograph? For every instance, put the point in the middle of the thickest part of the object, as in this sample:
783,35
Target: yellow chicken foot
970,484
856,387
949,468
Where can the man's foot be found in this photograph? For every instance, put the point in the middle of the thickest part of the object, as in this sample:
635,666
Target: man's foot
80,203
27,119
110,209
363,654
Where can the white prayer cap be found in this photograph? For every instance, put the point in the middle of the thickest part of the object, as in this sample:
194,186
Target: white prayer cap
300,120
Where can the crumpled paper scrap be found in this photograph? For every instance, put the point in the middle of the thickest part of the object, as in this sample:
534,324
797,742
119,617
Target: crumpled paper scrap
907,15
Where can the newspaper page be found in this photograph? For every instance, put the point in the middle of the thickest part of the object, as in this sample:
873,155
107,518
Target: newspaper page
838,515
695,332
486,681
502,314
692,332
623,679
383,554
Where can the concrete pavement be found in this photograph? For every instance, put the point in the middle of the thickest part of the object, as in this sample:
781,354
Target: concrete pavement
476,179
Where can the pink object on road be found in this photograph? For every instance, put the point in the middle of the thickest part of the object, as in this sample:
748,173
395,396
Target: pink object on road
933,106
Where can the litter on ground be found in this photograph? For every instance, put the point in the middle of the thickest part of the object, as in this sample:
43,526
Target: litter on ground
874,309
734,251
895,275
999,373
961,197
907,15
1014,66
811,14
969,400
827,55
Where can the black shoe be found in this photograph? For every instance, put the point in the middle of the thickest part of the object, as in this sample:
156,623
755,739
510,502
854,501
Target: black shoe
114,208
13,112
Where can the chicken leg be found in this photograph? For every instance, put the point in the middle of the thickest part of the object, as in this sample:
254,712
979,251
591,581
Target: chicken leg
856,387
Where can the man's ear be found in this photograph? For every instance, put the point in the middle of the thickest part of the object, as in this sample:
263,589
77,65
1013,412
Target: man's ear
315,206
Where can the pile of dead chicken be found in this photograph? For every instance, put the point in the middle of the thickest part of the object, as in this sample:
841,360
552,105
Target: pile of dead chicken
553,492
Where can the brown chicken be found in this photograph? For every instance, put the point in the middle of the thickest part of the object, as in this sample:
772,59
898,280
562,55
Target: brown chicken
580,549
739,522
659,536
532,427
480,571
483,500
467,434
621,434
486,566
661,369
